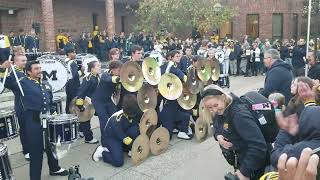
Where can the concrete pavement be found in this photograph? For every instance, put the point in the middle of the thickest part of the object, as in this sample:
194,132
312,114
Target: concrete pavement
185,160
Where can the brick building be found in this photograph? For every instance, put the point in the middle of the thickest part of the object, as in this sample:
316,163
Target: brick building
274,19
257,18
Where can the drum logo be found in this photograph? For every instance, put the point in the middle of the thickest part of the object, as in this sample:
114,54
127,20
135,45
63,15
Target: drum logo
52,75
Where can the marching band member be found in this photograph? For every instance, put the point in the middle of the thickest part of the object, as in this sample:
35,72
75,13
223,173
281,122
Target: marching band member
20,61
20,40
4,47
74,80
119,133
186,60
171,112
87,88
37,103
136,54
102,97
32,42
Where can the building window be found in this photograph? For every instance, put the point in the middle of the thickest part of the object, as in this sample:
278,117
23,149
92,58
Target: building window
226,30
277,26
253,25
123,23
295,26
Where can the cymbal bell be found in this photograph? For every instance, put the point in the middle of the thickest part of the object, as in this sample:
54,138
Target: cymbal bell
203,68
170,86
159,141
148,119
151,71
87,114
131,76
204,113
187,100
201,130
147,97
215,69
140,149
193,82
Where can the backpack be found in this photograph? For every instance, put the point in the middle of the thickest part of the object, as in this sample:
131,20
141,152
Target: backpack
263,111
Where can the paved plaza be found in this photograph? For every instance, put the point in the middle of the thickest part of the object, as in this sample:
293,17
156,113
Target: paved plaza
185,160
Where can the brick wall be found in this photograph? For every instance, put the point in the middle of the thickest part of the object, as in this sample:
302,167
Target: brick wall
265,9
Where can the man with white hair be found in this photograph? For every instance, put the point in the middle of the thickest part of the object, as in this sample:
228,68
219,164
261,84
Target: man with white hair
279,75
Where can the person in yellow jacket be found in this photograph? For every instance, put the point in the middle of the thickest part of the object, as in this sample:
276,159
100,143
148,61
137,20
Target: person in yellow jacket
4,47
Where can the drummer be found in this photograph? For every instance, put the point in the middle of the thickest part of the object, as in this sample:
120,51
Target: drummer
73,83
87,88
108,87
37,101
20,61
119,134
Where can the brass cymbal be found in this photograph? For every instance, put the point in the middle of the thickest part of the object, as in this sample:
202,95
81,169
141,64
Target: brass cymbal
204,113
148,119
201,130
203,68
159,141
193,82
170,86
140,149
215,69
131,76
187,100
151,71
147,97
210,129
87,114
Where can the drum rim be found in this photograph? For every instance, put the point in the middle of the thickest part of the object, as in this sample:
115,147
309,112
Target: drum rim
10,137
3,149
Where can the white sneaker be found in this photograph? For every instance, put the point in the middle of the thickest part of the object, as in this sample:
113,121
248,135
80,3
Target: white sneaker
183,135
189,131
93,141
175,131
27,156
129,153
97,153
81,135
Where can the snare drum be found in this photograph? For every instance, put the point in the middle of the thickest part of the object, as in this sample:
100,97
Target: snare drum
8,124
63,128
57,101
5,166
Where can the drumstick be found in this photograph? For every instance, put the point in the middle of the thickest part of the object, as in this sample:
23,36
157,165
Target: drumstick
18,82
6,72
316,150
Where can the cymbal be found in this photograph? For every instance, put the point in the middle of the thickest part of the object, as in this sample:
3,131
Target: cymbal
204,113
201,130
159,141
215,69
151,71
87,114
193,82
210,129
170,86
147,97
131,76
148,119
140,149
187,100
203,68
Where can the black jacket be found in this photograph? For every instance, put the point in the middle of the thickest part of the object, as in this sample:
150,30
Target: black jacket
239,126
308,136
314,72
298,53
284,52
278,79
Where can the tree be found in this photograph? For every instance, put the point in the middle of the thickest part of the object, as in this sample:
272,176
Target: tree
174,15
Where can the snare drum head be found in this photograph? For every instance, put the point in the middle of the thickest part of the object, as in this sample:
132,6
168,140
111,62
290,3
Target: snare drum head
54,71
6,113
62,118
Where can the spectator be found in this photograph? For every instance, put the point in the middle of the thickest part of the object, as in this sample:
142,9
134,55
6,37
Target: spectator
313,61
83,43
279,75
298,54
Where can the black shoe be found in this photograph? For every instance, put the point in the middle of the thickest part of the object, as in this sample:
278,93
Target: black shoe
61,172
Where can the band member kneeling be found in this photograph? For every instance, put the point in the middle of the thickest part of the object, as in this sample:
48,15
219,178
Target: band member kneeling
119,133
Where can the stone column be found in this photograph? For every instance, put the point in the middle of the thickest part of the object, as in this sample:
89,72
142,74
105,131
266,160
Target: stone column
110,17
48,25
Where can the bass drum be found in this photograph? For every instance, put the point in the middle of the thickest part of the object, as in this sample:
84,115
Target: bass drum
83,60
54,71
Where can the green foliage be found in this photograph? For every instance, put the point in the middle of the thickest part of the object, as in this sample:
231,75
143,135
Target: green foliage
174,15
